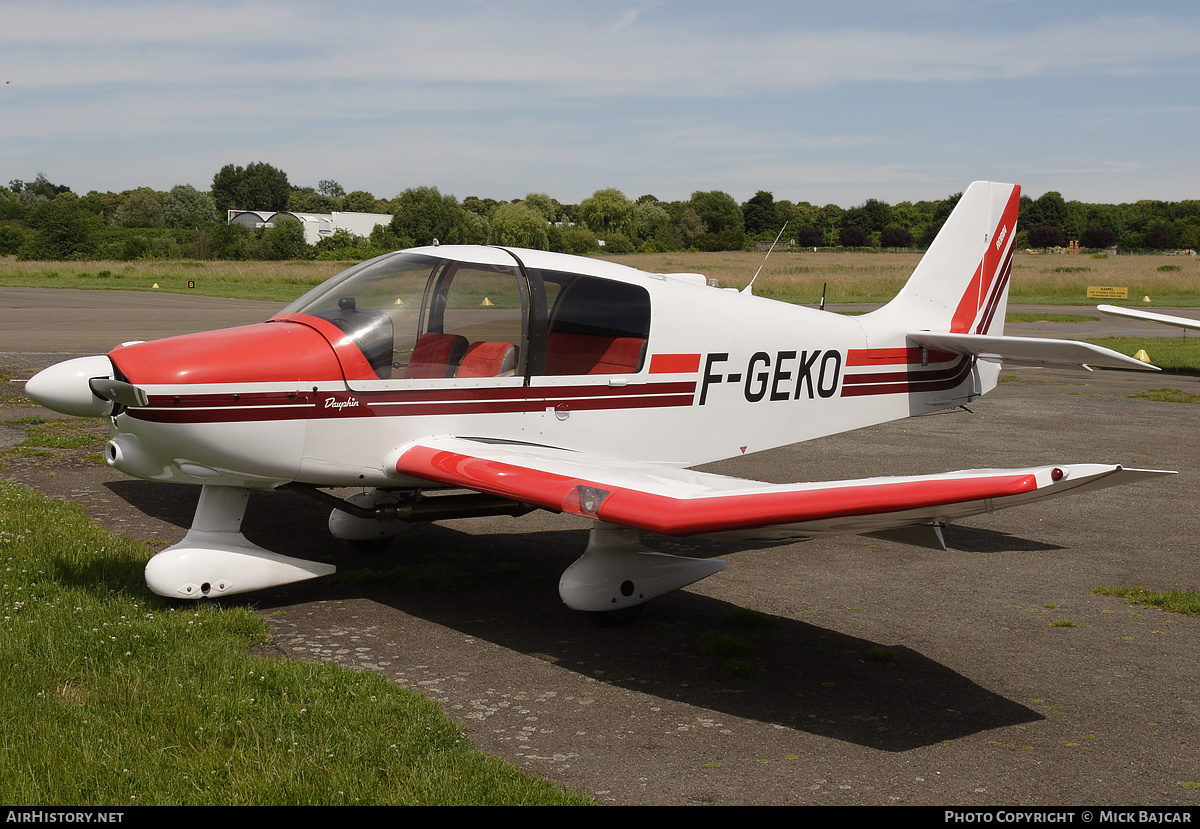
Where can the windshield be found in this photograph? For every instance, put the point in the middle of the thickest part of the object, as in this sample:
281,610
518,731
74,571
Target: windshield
416,316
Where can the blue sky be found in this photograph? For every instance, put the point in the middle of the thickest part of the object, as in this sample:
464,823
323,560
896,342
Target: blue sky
818,102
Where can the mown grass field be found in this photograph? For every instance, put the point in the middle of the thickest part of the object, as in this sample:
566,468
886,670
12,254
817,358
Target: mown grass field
114,697
789,276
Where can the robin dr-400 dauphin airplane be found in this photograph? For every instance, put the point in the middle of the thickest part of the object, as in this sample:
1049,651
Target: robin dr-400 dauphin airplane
540,380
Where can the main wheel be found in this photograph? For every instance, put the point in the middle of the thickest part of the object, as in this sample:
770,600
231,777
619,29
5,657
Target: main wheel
372,545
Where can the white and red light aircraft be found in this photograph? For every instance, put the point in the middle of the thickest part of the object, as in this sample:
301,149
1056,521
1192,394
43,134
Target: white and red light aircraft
539,380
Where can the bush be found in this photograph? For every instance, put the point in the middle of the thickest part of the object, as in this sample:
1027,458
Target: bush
810,237
580,241
854,237
1097,237
62,230
12,239
895,237
136,247
618,243
1046,237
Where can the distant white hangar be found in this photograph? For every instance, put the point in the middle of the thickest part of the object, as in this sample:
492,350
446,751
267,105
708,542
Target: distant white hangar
316,226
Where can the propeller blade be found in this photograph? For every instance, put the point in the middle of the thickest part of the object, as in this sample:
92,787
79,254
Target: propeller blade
118,391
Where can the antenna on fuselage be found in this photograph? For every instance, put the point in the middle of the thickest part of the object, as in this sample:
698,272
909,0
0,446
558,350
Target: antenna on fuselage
824,285
747,290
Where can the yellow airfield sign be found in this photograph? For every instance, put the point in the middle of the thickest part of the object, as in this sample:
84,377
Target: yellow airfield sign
1104,292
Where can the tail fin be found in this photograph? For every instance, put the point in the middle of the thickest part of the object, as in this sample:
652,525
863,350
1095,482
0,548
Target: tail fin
961,284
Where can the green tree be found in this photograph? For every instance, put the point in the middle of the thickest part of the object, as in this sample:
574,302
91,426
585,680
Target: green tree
185,206
12,240
685,228
650,218
1049,210
308,200
478,206
608,211
285,240
360,201
37,191
718,211
258,186
62,229
722,217
519,225
543,204
142,208
422,214
329,187
761,215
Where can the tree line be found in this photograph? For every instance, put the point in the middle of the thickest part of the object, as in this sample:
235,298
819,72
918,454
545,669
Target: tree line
43,220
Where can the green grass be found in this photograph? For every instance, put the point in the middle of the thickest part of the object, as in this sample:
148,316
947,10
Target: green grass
112,696
1176,601
1167,395
56,437
1025,316
1175,354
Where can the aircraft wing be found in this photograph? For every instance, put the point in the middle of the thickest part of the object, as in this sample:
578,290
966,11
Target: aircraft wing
1149,316
1028,351
675,501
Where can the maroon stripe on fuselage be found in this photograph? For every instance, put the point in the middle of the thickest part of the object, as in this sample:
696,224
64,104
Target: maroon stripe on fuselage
268,406
907,382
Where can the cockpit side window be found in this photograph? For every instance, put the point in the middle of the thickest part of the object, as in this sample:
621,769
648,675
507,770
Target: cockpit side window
596,326
478,313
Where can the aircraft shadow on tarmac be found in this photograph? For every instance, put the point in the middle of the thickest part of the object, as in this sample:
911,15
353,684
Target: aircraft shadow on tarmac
501,587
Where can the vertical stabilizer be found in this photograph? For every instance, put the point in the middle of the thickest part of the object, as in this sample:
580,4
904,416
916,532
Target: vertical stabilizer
961,284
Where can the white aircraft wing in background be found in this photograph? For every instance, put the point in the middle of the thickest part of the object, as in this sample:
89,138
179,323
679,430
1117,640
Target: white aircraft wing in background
1149,316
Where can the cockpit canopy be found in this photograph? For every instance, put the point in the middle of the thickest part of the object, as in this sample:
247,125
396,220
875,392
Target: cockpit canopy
418,315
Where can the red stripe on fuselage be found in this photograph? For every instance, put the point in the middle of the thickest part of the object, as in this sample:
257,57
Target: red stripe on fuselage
674,363
894,357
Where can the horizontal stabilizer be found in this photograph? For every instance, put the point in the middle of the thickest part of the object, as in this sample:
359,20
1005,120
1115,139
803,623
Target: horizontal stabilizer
683,502
1028,351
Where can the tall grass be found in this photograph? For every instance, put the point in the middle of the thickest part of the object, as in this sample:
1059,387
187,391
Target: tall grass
856,276
787,275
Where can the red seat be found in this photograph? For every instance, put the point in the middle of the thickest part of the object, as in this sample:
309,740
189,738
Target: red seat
436,355
484,359
592,354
